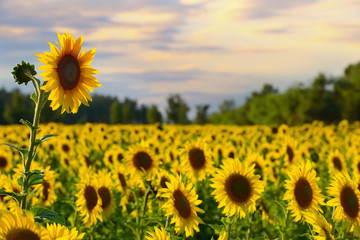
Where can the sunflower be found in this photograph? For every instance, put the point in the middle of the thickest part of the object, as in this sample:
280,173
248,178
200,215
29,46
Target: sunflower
356,165
290,151
302,190
236,188
106,192
320,225
57,231
5,161
45,192
161,178
140,159
261,167
20,226
157,234
346,200
88,200
182,204
68,73
197,160
336,162
265,212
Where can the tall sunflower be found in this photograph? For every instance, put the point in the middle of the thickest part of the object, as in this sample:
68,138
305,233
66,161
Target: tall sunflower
236,188
19,226
346,200
302,190
68,74
182,204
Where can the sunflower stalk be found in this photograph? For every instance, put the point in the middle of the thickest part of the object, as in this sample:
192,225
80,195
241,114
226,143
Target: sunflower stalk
32,148
143,210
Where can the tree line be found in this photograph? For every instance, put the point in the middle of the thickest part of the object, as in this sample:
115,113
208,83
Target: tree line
327,99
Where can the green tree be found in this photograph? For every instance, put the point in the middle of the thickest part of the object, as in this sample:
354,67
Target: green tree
18,109
177,109
201,114
116,112
154,115
129,107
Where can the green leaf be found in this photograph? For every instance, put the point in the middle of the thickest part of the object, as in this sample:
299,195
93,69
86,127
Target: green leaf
44,138
35,179
23,151
18,197
33,97
217,227
27,123
41,214
45,98
20,181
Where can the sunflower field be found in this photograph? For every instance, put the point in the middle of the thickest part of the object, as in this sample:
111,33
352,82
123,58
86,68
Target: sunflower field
187,182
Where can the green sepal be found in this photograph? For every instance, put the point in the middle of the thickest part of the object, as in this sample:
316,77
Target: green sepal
17,196
23,73
41,214
44,138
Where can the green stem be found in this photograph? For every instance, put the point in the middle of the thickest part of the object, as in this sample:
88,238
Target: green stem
229,229
248,234
167,221
32,143
144,211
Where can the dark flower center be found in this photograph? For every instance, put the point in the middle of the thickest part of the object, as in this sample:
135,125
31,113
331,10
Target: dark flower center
303,193
231,155
120,157
3,162
105,196
65,148
163,182
182,204
46,189
110,159
69,72
349,202
142,160
22,234
91,197
290,153
337,163
122,180
238,188
197,158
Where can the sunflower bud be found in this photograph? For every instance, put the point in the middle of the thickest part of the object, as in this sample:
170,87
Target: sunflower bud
22,72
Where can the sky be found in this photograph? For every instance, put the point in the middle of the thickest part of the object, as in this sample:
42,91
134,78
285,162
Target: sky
206,51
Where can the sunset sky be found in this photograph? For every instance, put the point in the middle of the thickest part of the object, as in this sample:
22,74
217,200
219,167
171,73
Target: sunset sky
207,51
